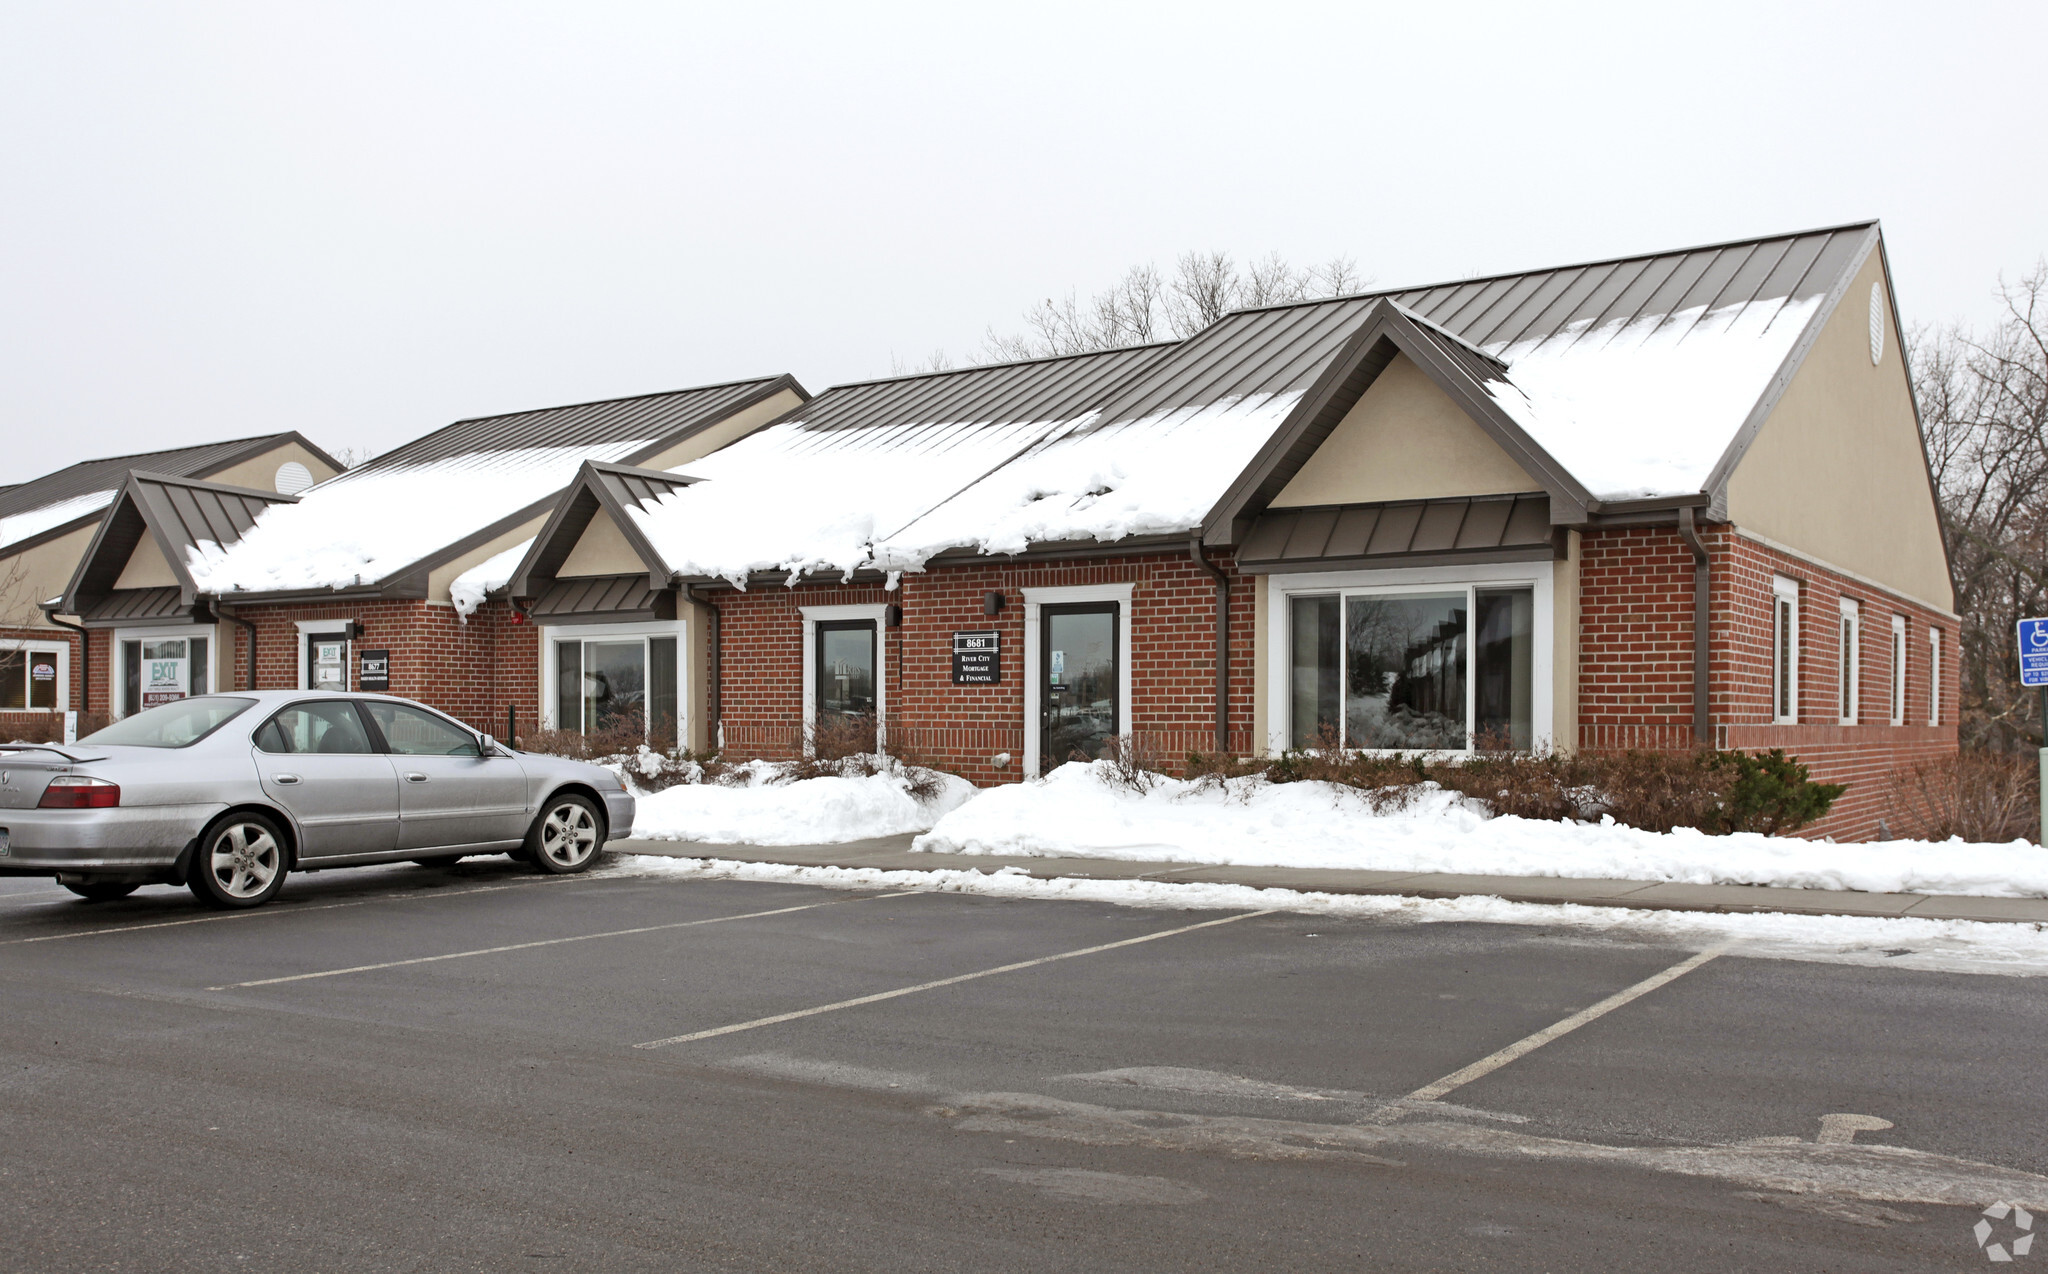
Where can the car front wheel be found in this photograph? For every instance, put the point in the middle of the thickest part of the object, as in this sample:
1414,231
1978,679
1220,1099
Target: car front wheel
240,863
567,837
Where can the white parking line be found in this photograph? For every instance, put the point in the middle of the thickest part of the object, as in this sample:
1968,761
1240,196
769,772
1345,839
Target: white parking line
548,942
293,910
857,1001
1494,1061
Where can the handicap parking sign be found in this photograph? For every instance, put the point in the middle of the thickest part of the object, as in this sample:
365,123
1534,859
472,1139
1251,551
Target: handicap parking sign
2034,652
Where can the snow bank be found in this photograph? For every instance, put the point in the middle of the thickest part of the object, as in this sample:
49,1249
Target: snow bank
1960,946
1073,812
764,811
29,522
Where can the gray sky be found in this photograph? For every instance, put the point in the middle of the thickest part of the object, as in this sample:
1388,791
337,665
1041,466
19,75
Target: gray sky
363,221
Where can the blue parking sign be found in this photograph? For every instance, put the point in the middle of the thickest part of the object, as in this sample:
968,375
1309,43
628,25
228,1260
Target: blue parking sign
2034,652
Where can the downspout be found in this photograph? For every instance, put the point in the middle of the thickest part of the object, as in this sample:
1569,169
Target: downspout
246,627
84,660
1222,643
1702,730
712,729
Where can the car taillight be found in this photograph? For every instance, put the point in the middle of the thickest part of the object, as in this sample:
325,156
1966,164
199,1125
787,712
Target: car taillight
79,792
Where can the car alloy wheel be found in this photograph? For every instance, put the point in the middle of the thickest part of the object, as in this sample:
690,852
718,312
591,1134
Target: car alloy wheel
566,837
241,862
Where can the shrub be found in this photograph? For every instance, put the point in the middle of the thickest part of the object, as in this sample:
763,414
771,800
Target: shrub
1977,795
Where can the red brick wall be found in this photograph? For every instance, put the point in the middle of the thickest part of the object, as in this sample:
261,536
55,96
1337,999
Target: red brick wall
1635,682
963,728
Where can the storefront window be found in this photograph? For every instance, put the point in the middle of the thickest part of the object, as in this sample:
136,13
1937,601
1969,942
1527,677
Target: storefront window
625,683
28,677
1434,670
157,670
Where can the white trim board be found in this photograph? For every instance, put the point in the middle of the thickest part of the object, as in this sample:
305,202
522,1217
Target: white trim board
1034,599
812,617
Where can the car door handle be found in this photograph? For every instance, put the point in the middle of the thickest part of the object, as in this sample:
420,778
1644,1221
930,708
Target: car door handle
414,776
284,780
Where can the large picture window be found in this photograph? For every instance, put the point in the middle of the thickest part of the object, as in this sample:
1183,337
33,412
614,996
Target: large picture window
1436,669
159,670
624,682
31,677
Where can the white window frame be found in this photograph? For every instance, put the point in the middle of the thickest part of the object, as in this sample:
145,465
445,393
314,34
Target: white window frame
117,659
1784,650
316,627
676,628
1035,599
1537,576
1898,670
1849,673
815,615
33,645
1934,676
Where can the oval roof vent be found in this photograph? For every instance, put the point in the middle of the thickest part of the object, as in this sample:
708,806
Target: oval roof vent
1876,323
293,477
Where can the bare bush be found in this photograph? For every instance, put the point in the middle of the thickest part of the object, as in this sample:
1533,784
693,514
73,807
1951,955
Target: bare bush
1978,795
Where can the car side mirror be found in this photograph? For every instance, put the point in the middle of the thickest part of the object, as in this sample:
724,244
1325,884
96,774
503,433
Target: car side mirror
490,745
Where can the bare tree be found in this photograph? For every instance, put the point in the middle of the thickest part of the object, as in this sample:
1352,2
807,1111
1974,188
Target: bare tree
1144,306
1984,418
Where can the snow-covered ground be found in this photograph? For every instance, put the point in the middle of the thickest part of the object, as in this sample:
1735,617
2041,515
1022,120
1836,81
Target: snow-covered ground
1073,812
765,810
1959,946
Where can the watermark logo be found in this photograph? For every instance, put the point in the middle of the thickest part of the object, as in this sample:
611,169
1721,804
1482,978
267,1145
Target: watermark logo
2002,1242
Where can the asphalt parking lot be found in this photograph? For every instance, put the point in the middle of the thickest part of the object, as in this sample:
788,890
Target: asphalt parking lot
479,1068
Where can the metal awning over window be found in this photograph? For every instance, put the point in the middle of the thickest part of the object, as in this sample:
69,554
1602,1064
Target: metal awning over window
1509,528
598,599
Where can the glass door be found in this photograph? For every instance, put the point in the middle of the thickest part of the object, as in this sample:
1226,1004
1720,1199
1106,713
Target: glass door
326,661
1078,682
843,721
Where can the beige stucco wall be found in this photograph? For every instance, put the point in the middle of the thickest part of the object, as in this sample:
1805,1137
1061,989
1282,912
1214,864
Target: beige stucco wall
146,567
1404,440
1564,650
444,575
694,692
45,572
725,432
1837,472
602,550
260,472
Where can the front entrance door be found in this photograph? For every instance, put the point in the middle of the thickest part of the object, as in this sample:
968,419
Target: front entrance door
326,661
1078,682
843,717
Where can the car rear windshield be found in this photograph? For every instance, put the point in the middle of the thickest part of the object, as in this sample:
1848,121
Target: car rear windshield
177,724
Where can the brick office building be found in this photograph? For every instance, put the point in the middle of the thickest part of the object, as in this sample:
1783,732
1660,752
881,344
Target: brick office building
46,526
1648,502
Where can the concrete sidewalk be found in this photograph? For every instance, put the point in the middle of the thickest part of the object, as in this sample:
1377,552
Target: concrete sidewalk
892,853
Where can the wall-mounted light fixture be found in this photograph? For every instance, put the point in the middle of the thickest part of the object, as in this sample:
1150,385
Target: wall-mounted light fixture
895,614
992,604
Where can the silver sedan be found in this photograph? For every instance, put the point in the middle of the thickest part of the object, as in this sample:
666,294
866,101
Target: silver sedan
228,793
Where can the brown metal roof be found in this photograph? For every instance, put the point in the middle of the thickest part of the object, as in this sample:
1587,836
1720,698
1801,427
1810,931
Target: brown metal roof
178,513
596,597
1281,349
128,605
1335,537
654,418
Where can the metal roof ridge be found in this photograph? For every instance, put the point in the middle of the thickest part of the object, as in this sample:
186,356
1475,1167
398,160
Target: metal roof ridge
623,398
989,367
1623,259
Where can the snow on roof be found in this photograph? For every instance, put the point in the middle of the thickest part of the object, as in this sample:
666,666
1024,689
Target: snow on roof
469,589
21,526
368,524
1646,407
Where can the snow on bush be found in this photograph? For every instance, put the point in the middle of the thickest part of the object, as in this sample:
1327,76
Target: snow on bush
772,803
1079,810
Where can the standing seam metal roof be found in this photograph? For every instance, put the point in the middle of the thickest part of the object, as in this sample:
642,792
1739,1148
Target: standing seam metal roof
107,474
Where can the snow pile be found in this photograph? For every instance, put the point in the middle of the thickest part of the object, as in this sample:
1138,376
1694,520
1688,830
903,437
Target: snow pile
20,526
1647,407
1251,822
763,809
469,589
367,524
1960,946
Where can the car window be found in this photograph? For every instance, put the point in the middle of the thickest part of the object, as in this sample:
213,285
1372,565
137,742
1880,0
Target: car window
413,732
329,727
177,724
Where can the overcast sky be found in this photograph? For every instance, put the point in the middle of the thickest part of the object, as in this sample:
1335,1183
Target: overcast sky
363,220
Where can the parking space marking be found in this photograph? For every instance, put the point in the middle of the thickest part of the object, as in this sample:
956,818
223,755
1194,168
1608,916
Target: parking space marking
292,910
550,942
1529,1044
955,980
